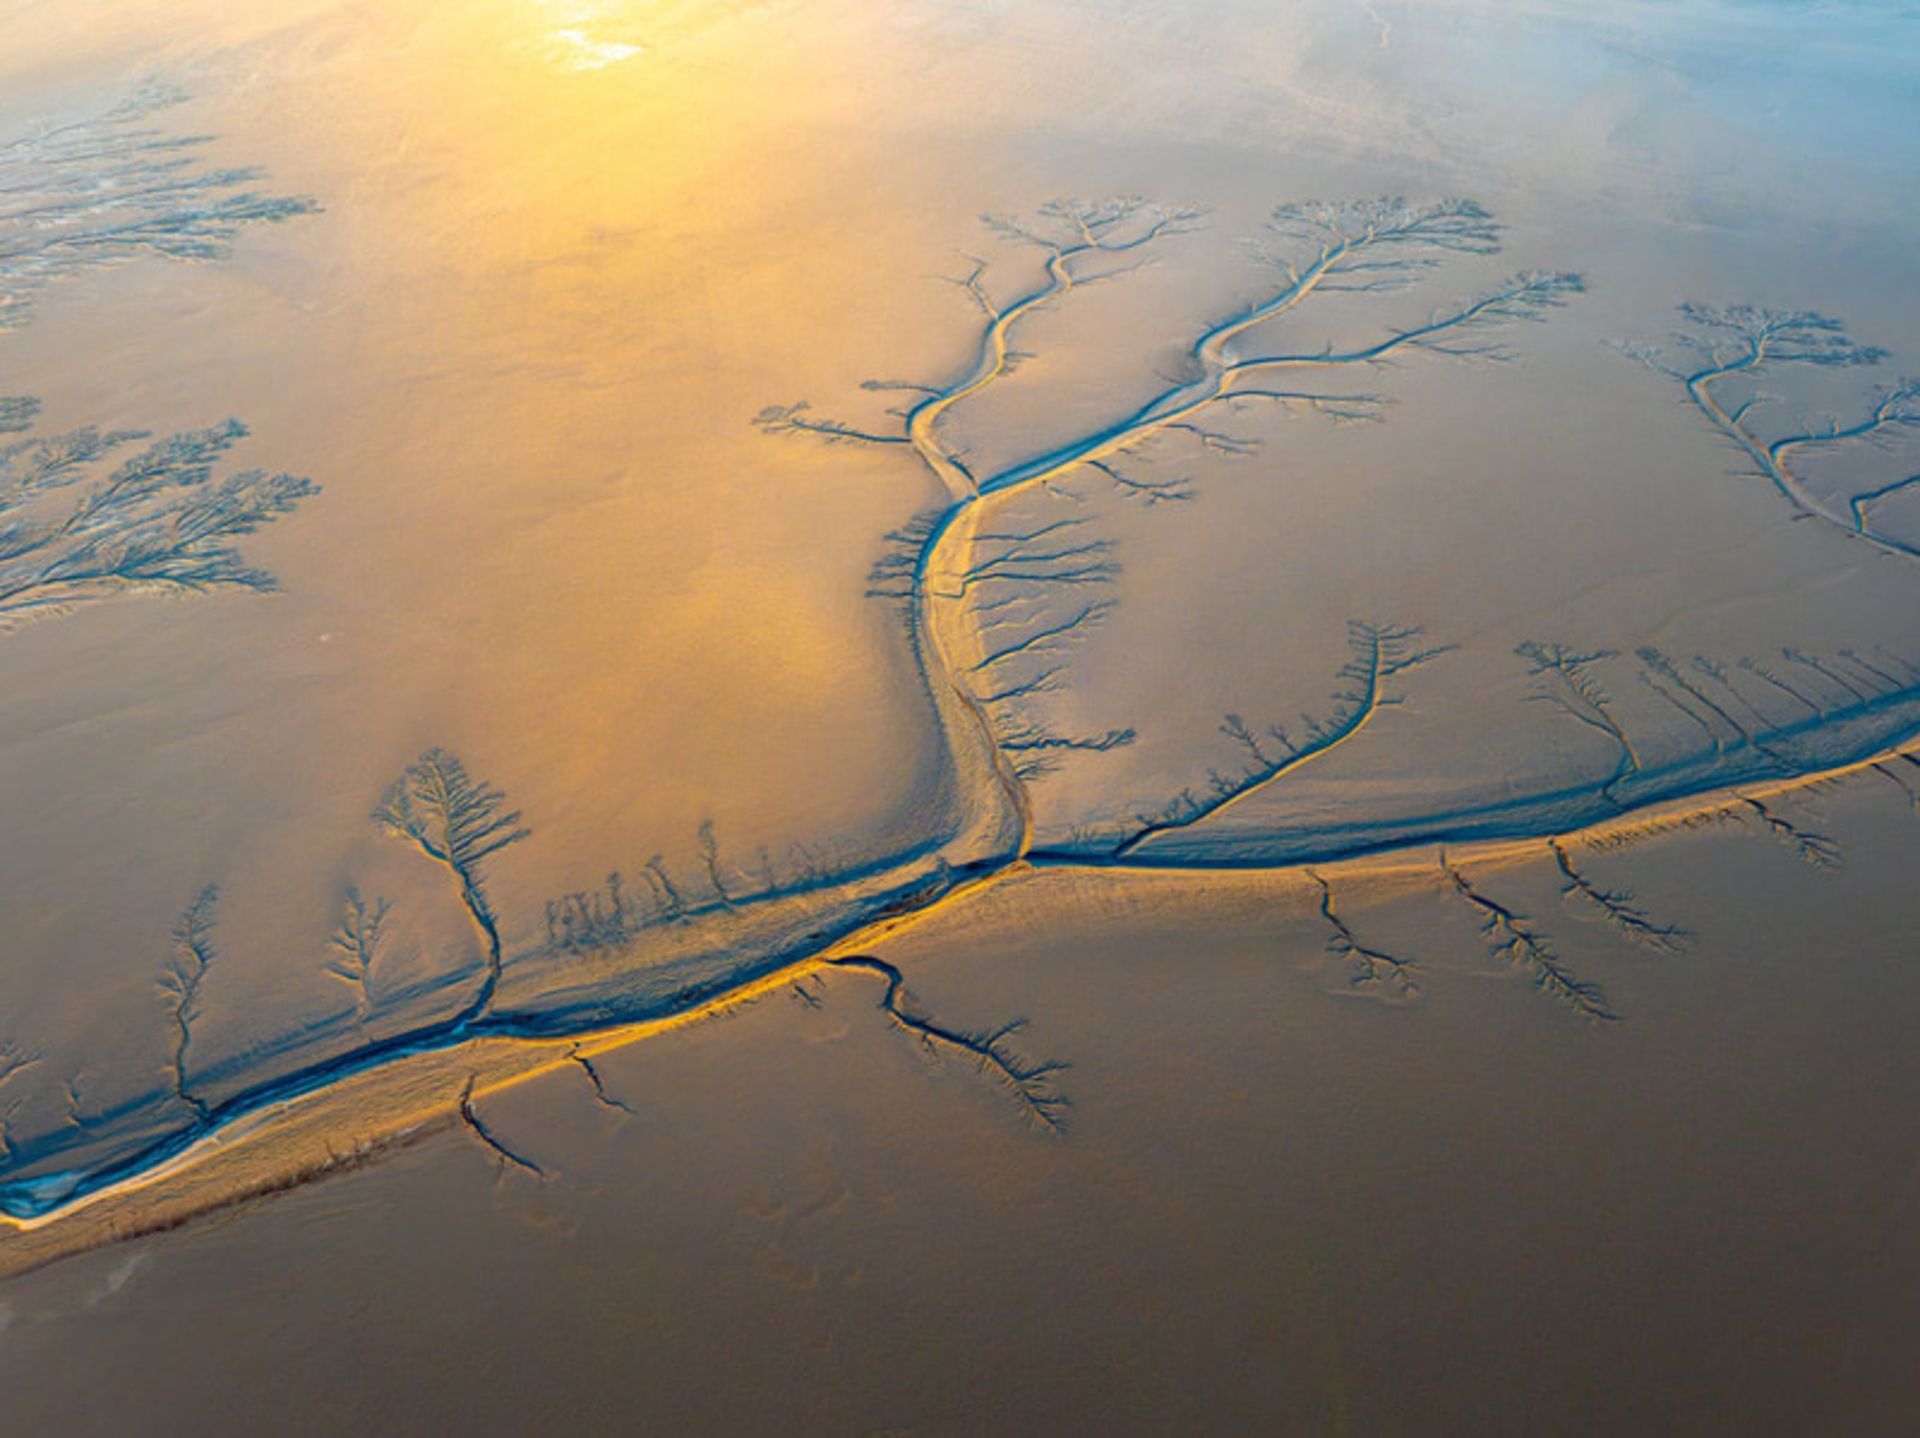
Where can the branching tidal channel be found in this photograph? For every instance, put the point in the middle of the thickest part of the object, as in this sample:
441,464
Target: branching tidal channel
995,606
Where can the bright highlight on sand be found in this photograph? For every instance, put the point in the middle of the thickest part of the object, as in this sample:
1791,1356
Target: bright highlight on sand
589,35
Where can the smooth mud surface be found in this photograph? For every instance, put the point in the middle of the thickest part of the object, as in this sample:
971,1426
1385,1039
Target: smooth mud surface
1081,716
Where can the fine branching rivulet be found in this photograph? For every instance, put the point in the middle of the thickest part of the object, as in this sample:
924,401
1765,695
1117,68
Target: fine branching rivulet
74,531
458,823
109,189
598,919
505,1155
601,1095
1370,967
181,980
1726,353
1514,939
1378,654
1569,683
356,946
1617,907
1749,715
13,1062
1030,1082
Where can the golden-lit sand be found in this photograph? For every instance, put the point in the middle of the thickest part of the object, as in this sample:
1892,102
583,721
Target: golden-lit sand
1224,577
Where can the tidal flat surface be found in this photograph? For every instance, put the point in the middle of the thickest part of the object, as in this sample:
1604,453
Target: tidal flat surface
883,717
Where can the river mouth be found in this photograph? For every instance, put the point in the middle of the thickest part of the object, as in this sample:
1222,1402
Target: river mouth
542,543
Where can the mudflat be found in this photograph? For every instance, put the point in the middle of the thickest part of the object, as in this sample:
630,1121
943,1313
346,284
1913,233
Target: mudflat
1105,716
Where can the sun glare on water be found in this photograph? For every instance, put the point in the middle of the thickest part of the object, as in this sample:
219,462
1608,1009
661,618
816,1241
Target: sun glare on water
589,35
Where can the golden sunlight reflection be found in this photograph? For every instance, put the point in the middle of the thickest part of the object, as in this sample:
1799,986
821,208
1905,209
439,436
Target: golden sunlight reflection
586,34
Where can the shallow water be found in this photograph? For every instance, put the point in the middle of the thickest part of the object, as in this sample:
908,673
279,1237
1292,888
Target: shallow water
528,291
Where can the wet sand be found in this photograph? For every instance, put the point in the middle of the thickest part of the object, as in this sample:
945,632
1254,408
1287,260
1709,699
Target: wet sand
817,598
1277,1205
